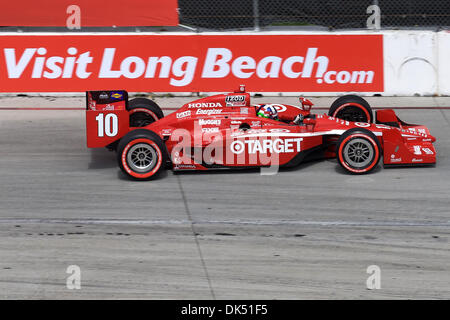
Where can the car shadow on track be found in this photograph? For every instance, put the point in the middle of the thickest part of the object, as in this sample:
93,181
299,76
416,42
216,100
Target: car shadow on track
302,166
339,169
102,159
105,159
122,176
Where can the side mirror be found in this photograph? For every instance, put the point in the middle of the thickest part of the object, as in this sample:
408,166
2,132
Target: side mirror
306,104
241,89
310,123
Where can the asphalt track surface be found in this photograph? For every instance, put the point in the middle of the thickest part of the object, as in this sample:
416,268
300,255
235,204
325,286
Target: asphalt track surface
305,233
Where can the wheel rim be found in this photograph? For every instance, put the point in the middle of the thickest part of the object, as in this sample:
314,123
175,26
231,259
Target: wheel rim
141,119
359,153
142,158
352,113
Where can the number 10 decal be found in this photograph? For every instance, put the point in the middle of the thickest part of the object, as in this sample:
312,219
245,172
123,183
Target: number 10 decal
108,124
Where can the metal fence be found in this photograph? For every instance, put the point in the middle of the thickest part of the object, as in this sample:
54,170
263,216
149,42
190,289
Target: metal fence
329,14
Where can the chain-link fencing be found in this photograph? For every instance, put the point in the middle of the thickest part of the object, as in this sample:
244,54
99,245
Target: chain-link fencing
329,14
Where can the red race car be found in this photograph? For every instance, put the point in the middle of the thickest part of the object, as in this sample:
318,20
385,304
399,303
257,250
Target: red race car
226,131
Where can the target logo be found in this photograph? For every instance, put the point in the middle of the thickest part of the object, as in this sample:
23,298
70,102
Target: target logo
279,107
237,147
267,146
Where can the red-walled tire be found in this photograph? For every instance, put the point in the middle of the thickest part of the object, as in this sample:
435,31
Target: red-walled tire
143,112
358,151
351,108
141,154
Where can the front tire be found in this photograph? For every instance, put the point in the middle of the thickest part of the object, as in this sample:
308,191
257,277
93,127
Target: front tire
143,112
351,108
358,151
141,154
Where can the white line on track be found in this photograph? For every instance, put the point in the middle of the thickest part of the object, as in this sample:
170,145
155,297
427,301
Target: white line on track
231,222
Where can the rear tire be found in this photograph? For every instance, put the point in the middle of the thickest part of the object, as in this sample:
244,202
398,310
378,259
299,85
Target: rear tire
358,151
143,112
351,108
141,154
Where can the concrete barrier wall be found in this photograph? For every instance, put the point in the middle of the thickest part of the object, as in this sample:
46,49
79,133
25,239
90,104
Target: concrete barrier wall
413,62
416,63
443,63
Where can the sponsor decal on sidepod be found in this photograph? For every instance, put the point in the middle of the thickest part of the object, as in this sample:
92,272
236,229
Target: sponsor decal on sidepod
265,146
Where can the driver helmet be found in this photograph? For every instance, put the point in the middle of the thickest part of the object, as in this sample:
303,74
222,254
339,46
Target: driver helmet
267,111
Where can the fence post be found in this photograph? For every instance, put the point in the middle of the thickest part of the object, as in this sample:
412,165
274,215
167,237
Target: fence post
256,15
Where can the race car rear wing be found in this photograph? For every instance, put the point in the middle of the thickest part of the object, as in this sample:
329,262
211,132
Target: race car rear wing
107,100
107,118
